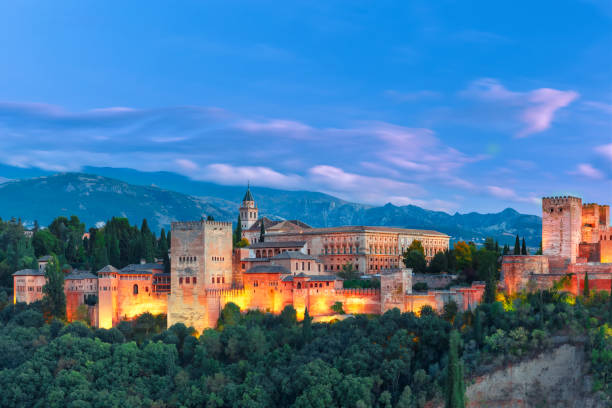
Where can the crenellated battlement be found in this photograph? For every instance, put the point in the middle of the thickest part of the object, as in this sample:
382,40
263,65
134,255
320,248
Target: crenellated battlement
192,225
359,291
556,200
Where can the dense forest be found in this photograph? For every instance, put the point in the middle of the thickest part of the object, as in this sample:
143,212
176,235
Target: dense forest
117,243
255,359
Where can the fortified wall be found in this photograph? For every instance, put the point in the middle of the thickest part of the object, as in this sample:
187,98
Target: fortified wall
576,241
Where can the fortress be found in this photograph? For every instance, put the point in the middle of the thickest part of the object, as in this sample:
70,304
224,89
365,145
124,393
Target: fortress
576,241
294,265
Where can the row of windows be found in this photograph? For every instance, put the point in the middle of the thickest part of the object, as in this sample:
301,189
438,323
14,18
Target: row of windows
218,258
188,259
342,250
29,288
108,288
304,266
188,280
338,267
135,277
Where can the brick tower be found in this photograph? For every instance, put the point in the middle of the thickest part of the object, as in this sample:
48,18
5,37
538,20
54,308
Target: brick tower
201,261
248,210
561,227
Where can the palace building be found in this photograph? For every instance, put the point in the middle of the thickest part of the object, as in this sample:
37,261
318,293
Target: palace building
295,265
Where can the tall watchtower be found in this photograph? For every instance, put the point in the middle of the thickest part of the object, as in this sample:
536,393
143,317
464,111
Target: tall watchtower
248,211
201,260
561,226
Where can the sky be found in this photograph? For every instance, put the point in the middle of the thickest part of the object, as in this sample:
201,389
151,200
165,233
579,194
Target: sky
448,105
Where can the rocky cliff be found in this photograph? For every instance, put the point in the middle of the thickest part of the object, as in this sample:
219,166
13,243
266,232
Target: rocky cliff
556,378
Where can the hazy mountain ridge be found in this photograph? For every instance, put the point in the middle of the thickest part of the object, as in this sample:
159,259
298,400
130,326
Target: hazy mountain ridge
162,197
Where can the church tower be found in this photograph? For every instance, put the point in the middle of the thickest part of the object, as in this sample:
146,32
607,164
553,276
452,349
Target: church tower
248,211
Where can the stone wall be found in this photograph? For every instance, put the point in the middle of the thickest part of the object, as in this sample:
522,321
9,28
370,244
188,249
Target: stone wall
433,281
516,270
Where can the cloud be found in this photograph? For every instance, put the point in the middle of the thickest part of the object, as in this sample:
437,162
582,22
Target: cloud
600,106
509,194
605,150
536,109
587,170
278,126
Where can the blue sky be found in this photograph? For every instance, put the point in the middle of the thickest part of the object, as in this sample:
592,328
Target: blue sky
458,106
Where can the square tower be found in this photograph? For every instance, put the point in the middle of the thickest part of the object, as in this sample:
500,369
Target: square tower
561,226
201,260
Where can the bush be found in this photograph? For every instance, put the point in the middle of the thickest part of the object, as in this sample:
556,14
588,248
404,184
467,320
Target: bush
420,287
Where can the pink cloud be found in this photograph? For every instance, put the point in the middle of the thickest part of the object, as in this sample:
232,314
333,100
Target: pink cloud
587,170
605,150
537,107
275,126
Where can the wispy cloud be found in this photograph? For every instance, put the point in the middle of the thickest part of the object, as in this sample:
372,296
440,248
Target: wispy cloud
605,150
587,170
536,108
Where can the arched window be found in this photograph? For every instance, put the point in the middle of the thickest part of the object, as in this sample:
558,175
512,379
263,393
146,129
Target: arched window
194,280
135,289
299,285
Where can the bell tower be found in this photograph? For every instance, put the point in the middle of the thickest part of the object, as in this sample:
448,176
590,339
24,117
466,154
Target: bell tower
248,210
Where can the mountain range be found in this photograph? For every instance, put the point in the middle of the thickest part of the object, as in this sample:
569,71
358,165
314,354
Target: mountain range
99,193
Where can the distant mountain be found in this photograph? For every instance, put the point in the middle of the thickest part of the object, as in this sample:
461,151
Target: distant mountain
164,196
96,199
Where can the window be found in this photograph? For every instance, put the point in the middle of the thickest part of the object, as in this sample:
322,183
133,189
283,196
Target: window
135,289
302,265
194,280
308,265
180,281
187,279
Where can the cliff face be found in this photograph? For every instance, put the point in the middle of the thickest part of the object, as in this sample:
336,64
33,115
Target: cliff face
555,378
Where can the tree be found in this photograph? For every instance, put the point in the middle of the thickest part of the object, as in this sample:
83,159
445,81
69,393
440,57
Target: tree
262,231
463,255
610,306
489,244
450,310
243,243
348,272
415,260
337,308
307,327
478,329
490,292
524,248
586,291
238,231
455,387
439,263
506,250
539,251
54,299
517,246
210,218
416,245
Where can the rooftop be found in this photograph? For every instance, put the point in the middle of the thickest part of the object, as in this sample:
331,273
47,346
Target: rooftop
142,268
44,258
294,255
29,272
268,269
363,228
78,275
313,278
109,268
278,244
272,225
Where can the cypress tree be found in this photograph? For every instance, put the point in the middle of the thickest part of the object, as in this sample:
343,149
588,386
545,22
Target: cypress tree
586,291
262,231
54,299
455,388
478,327
523,247
517,246
238,231
490,288
307,327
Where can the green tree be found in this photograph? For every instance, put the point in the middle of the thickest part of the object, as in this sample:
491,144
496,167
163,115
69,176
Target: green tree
238,231
517,246
337,308
455,387
539,251
439,263
405,399
586,291
262,231
524,248
307,327
416,245
54,299
490,292
415,260
348,272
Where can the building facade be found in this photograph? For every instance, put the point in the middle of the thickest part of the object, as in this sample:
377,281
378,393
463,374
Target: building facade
576,240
